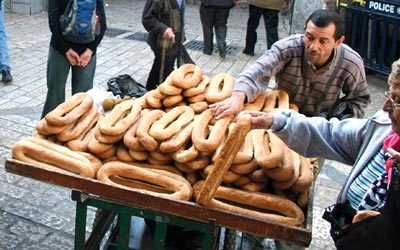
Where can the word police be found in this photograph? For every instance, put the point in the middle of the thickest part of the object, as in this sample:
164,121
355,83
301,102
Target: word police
385,7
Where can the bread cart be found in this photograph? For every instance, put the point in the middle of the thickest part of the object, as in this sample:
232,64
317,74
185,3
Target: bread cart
126,203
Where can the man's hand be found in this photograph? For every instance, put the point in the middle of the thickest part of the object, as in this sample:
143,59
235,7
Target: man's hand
85,58
72,57
259,120
230,106
169,34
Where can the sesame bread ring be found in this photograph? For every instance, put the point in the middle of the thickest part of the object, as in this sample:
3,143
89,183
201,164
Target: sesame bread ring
185,154
192,178
167,88
286,212
78,127
208,142
246,151
139,155
154,98
180,78
176,184
104,138
199,107
142,131
168,168
131,140
197,98
306,176
243,180
220,88
184,168
178,140
121,117
171,122
69,111
268,149
44,128
244,168
81,143
172,100
153,161
41,152
276,99
108,153
296,166
200,162
199,89
257,104
123,153
97,147
258,175
223,160
160,156
285,171
254,186
229,176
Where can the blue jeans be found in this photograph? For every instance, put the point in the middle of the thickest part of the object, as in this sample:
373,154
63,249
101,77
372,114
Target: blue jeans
4,58
270,22
58,68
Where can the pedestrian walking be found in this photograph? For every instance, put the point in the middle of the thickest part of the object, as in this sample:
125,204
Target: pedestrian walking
5,68
214,15
269,10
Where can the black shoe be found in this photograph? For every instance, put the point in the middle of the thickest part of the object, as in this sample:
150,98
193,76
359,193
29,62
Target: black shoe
222,51
207,53
6,76
247,52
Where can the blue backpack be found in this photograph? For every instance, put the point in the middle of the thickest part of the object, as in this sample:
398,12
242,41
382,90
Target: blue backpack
78,21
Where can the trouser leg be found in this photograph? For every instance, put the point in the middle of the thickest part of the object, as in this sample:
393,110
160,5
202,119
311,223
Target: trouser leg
271,26
207,22
154,77
57,72
4,57
252,25
221,19
82,77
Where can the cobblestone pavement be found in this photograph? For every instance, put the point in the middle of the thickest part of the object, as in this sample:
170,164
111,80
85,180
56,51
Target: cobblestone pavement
35,215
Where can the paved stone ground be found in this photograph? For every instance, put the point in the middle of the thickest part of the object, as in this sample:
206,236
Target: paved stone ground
34,215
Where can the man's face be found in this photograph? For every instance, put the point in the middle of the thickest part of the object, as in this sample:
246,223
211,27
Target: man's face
392,106
320,42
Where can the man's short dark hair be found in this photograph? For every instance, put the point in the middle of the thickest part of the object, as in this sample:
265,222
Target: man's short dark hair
322,18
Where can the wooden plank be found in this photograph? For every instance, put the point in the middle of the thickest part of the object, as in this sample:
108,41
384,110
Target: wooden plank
189,210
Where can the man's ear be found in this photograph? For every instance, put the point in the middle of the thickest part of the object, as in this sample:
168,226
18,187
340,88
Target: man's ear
339,41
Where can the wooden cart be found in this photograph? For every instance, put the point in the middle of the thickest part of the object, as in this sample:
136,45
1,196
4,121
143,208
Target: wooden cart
126,203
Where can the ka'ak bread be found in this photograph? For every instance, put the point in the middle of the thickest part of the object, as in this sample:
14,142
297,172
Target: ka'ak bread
224,159
267,207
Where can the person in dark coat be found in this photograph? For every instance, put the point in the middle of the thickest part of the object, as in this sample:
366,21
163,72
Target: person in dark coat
163,20
214,15
65,55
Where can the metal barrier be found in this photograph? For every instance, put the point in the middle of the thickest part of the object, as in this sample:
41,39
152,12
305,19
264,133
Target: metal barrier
372,29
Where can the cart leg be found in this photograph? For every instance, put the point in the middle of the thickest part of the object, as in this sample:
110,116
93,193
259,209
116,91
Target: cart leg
159,235
80,225
124,229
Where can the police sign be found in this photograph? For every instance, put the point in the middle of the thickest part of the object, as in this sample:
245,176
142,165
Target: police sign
387,7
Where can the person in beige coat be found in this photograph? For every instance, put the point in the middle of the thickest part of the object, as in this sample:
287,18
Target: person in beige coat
269,10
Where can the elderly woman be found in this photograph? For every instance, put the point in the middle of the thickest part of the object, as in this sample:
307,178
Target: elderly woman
370,145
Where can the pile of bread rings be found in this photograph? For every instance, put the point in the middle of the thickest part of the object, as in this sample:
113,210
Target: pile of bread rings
166,141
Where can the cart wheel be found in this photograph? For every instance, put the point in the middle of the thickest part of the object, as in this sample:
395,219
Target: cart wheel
229,239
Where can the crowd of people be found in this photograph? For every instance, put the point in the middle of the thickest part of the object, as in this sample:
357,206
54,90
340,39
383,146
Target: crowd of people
323,76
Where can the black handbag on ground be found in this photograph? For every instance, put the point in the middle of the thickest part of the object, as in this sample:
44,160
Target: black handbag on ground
125,85
375,232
